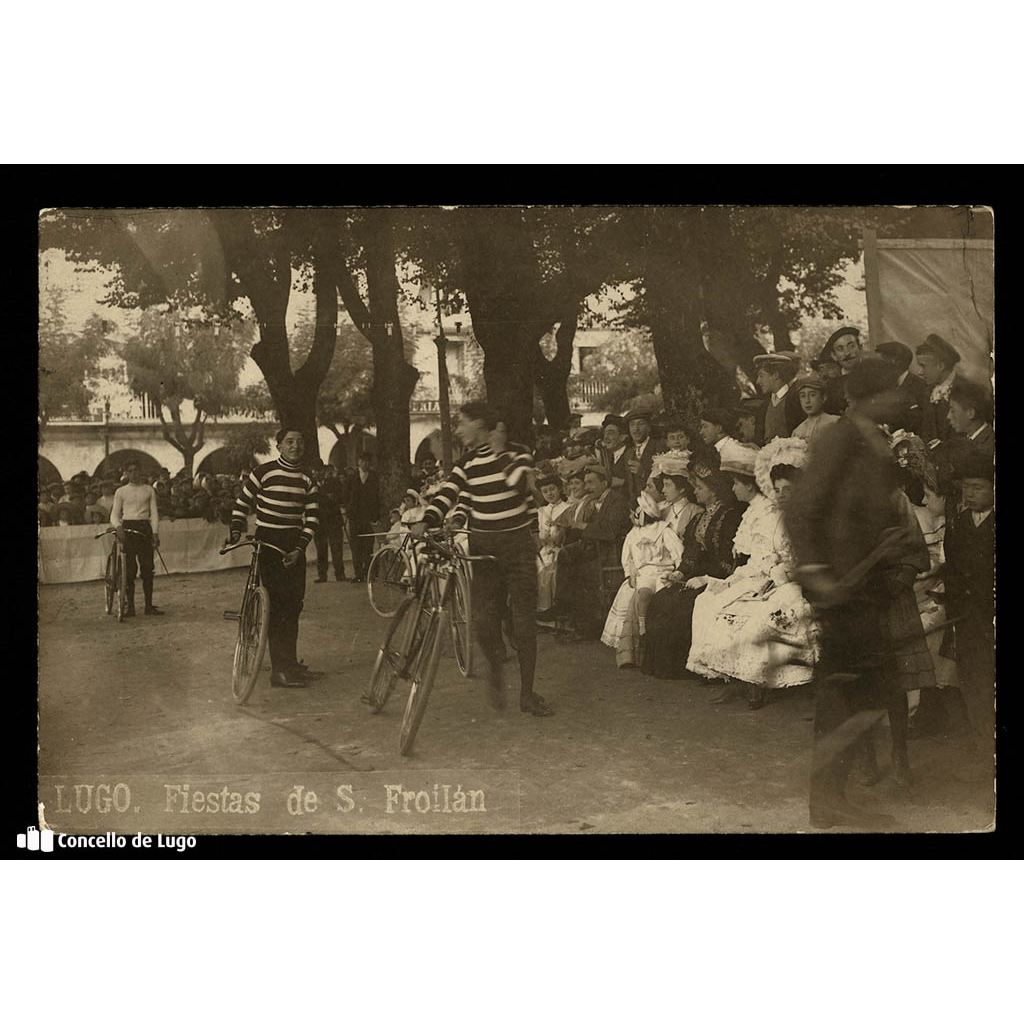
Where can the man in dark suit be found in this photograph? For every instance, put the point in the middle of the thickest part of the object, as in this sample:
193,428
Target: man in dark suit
938,360
912,389
970,415
970,596
843,350
843,520
332,526
582,589
615,451
782,412
643,448
363,512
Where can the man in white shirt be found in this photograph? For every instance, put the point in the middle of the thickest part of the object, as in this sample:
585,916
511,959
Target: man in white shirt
134,509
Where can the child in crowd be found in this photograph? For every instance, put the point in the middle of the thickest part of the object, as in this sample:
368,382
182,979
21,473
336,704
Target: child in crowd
812,391
549,540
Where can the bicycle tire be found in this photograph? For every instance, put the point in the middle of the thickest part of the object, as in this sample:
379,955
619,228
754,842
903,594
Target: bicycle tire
389,581
391,658
422,680
251,644
122,586
461,622
109,584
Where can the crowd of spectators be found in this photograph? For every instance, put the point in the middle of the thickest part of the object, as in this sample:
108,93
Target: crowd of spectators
87,500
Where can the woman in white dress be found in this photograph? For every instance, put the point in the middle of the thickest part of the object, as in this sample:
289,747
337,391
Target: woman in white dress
549,539
755,626
651,551
670,476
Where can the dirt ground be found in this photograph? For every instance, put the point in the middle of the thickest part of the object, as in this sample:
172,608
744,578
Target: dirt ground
623,752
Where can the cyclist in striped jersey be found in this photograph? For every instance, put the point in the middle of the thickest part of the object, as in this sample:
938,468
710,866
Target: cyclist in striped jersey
493,479
284,496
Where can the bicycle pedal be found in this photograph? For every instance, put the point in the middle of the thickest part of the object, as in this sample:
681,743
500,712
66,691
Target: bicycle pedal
235,616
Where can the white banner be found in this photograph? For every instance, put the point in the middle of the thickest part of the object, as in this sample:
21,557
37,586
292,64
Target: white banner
71,554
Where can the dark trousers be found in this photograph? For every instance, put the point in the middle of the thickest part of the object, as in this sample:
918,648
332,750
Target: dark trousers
362,548
853,643
138,551
509,581
976,670
287,588
331,535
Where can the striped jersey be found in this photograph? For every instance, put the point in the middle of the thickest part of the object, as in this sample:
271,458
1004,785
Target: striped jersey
493,486
284,496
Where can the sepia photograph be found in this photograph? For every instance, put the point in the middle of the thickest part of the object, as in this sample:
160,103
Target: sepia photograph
515,520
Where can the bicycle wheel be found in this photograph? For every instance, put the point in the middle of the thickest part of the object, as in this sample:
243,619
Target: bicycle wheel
422,679
392,656
109,583
122,585
390,578
461,621
251,644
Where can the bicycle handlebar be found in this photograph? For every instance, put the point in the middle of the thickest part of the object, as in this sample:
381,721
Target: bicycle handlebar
252,543
114,529
451,553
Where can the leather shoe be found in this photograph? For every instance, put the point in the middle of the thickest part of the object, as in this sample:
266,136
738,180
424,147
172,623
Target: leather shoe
153,610
303,671
290,682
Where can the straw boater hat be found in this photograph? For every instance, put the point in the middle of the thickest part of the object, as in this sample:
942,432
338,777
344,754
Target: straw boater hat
779,451
739,458
769,359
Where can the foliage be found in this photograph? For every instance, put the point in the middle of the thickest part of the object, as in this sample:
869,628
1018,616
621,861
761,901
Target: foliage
67,362
624,368
244,444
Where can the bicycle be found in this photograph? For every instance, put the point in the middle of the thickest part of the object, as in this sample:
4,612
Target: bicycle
115,573
412,645
393,576
253,622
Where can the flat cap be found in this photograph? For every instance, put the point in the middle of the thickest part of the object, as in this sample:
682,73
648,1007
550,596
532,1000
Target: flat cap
639,413
809,380
973,465
897,352
940,347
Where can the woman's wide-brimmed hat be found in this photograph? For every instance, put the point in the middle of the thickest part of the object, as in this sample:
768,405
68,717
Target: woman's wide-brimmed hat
779,451
675,462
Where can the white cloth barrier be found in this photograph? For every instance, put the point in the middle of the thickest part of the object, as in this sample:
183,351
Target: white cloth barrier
71,554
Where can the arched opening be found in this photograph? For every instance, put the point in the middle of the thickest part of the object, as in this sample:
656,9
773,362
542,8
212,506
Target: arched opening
115,462
350,446
218,461
48,472
430,445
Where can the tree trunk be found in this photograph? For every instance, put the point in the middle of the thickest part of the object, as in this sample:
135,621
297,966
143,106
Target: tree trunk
552,376
393,378
508,376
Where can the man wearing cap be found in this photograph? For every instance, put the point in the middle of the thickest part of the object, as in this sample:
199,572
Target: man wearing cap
615,451
938,360
782,412
843,348
846,529
812,391
969,550
970,415
643,448
912,390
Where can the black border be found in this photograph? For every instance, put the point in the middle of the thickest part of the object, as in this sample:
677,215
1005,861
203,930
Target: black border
99,186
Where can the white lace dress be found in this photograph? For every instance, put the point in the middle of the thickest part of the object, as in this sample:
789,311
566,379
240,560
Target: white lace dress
649,553
756,625
547,555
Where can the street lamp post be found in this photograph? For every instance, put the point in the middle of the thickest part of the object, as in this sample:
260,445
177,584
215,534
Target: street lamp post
442,389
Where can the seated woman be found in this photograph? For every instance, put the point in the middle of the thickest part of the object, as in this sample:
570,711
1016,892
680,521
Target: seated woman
707,550
670,478
579,511
650,552
549,540
755,626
